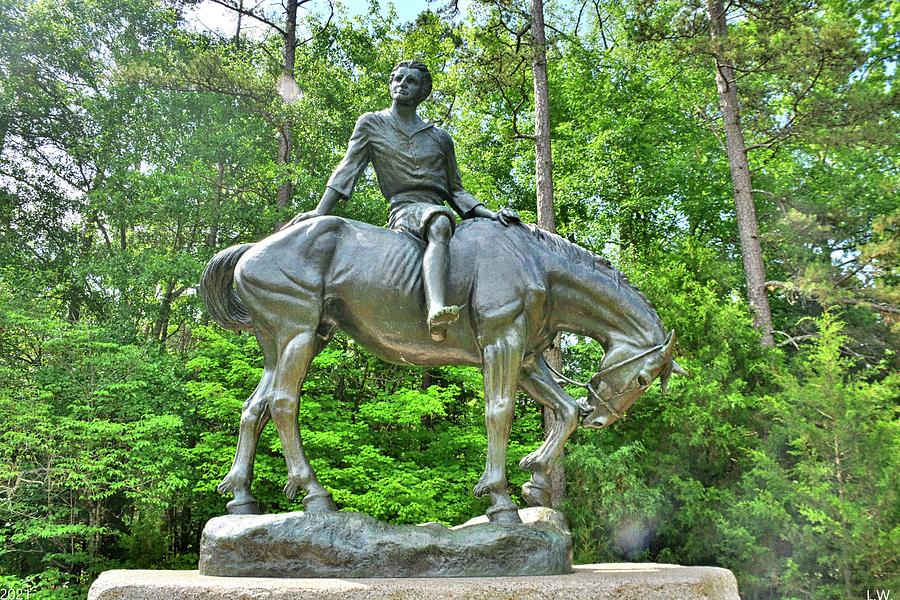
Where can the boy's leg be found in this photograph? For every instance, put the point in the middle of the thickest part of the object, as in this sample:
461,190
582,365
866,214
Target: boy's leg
435,270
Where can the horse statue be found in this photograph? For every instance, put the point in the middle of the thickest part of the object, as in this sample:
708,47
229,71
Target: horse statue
518,287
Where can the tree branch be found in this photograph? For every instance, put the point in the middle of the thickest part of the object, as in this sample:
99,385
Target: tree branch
324,27
250,13
861,302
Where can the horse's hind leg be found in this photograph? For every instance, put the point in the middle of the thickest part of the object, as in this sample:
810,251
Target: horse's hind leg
295,354
254,416
539,384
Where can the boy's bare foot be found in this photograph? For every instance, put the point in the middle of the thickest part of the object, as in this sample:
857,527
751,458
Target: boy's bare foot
440,320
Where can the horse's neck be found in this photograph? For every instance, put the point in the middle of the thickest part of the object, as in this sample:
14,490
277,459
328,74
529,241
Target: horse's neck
598,304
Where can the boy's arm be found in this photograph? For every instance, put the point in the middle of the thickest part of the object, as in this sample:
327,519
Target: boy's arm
344,177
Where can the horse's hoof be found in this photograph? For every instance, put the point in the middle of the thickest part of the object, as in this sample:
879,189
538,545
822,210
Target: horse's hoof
243,507
227,485
530,462
319,503
440,321
290,490
535,495
488,484
503,514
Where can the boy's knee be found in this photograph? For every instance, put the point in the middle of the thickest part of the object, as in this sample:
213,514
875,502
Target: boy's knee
439,228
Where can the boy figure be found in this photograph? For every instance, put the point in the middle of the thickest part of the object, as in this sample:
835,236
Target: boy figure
415,164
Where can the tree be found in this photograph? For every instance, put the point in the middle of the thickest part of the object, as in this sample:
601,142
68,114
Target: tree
832,450
285,85
748,230
546,218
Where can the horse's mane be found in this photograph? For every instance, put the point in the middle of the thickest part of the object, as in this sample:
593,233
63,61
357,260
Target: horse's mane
577,254
572,251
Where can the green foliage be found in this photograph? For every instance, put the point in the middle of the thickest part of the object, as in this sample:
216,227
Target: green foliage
406,453
836,440
132,149
93,435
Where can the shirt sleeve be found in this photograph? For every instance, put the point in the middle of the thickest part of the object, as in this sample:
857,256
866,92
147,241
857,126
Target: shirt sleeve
462,201
358,155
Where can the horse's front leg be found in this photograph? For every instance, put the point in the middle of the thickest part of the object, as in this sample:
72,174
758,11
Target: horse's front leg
538,383
502,358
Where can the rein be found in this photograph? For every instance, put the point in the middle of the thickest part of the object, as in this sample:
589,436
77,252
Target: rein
632,359
590,390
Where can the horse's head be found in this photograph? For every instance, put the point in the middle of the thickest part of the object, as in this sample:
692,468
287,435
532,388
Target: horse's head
625,373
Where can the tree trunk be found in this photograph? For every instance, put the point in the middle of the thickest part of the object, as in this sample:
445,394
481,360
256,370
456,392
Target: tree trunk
751,252
839,476
237,30
75,293
287,87
286,187
161,327
543,157
543,171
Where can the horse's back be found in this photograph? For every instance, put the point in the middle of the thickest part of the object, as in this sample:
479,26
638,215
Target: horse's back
298,255
387,261
368,281
483,255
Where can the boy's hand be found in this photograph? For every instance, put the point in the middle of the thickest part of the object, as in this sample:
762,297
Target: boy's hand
301,217
507,216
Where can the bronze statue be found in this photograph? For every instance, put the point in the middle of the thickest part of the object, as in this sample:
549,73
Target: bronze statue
511,288
415,163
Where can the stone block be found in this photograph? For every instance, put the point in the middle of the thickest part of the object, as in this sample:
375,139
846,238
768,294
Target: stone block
627,581
354,545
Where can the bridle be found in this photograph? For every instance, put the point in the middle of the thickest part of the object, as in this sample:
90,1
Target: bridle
602,372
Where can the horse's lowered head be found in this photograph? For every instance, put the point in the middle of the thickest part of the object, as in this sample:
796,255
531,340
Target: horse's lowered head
625,373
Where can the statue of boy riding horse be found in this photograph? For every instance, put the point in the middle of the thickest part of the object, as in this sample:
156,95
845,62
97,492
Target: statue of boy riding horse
511,289
417,172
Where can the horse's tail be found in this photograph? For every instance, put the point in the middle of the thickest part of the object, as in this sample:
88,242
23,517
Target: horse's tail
217,289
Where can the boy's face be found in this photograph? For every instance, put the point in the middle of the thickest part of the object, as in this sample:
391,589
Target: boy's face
406,86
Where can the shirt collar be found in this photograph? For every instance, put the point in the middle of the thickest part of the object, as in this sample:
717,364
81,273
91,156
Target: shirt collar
393,120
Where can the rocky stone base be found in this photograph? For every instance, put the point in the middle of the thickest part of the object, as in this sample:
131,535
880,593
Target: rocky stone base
627,581
339,544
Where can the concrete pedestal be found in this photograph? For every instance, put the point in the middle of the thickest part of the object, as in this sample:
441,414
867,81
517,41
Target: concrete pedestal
622,581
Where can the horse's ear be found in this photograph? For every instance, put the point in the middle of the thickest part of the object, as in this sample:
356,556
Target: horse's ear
679,370
669,347
673,367
667,351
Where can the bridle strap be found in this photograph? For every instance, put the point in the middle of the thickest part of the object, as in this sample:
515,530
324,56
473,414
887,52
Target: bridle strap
632,359
590,390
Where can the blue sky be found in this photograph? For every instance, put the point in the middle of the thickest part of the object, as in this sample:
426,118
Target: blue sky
407,10
210,16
